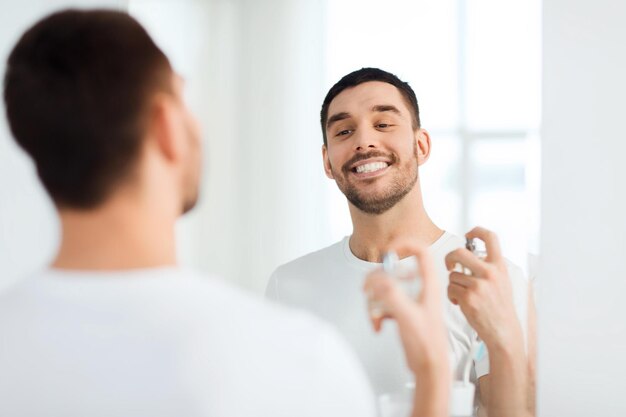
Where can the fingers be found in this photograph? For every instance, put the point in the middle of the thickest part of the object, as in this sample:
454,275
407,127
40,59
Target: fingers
425,264
467,259
381,289
456,293
397,305
374,285
463,280
460,286
492,244
377,323
465,291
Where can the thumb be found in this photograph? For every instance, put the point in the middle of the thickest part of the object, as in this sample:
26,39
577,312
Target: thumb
426,268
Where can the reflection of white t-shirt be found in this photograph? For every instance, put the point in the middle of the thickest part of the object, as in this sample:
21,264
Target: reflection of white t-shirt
166,342
329,283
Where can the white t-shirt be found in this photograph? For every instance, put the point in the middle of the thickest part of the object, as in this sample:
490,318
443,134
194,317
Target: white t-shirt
329,283
166,342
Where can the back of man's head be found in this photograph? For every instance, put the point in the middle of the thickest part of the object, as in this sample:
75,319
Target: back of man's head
77,91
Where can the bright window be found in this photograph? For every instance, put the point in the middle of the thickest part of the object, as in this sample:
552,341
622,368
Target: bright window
475,68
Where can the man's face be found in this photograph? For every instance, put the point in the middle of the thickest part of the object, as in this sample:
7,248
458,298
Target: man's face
191,167
372,151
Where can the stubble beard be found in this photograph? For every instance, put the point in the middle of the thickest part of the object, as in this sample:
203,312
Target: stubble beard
376,204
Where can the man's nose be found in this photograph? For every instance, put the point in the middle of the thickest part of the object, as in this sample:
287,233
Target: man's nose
364,140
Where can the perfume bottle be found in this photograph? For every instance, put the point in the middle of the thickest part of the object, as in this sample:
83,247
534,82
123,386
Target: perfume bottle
472,246
478,350
406,277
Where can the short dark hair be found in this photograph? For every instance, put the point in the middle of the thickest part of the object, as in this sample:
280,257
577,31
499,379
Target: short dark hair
365,75
77,89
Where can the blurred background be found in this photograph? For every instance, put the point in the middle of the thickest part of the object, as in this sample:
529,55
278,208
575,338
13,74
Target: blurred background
257,72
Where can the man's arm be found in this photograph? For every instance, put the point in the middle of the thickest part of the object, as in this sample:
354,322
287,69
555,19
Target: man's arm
504,391
531,349
484,382
422,331
486,299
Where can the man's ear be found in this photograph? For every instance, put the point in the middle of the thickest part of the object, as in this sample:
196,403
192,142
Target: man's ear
327,170
422,140
163,127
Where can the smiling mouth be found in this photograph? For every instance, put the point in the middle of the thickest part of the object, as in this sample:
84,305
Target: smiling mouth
370,167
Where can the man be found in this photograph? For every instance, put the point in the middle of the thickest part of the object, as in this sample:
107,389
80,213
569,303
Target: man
113,327
373,147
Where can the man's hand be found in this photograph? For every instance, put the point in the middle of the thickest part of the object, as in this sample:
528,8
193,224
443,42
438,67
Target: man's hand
485,297
420,321
422,329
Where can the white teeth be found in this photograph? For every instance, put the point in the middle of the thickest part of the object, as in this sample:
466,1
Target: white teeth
371,167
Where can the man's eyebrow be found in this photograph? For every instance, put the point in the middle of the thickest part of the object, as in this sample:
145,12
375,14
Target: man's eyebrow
337,117
386,107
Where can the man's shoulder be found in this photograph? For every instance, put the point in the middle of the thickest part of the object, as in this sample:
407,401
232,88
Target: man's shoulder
213,327
176,296
446,243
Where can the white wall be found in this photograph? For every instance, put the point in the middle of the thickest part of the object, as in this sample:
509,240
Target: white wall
582,284
254,72
29,229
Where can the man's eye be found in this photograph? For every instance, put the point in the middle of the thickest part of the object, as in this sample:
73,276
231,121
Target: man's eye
382,125
343,132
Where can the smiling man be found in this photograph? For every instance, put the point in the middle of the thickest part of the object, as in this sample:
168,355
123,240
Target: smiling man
373,147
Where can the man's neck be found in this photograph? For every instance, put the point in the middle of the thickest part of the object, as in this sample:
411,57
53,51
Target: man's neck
407,219
119,235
